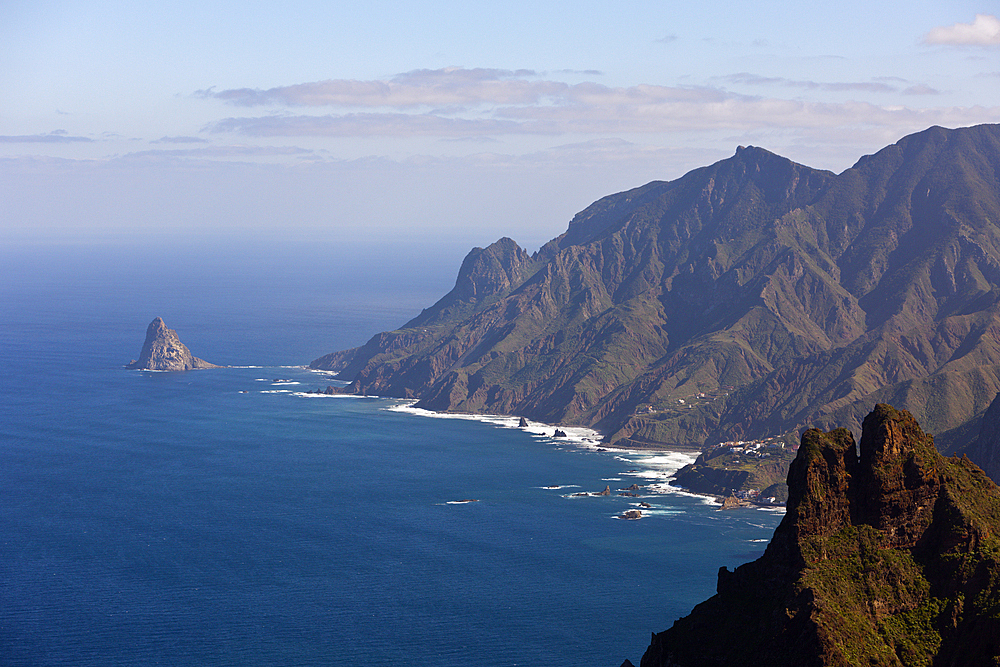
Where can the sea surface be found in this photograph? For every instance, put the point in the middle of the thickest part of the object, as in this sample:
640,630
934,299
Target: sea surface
227,517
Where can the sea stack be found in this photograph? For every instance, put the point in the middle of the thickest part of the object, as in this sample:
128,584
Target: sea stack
164,351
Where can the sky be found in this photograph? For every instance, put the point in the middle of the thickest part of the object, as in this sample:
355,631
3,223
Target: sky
360,126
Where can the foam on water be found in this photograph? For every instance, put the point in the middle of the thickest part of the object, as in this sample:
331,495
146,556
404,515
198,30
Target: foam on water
162,518
577,435
309,394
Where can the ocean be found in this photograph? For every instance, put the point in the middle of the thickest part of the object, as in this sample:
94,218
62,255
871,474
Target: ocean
227,517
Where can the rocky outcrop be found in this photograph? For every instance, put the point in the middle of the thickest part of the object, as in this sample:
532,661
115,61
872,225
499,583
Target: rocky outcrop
336,361
985,449
884,558
164,351
749,298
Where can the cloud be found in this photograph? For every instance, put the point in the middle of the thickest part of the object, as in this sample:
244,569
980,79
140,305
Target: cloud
232,152
418,88
921,89
667,39
371,124
594,109
53,137
179,140
983,31
746,78
585,72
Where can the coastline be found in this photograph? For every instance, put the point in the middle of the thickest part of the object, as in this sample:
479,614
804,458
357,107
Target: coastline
662,463
658,466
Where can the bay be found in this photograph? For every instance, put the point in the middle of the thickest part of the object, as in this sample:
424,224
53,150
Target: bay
160,518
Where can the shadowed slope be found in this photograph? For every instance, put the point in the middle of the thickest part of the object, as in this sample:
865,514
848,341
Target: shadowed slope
745,299
887,558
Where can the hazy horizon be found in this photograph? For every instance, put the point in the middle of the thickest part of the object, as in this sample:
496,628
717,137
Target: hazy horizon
443,124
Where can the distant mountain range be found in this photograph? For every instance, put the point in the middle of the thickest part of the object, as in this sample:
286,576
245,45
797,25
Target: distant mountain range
750,298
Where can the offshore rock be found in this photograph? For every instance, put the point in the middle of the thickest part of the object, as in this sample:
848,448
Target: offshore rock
164,351
889,557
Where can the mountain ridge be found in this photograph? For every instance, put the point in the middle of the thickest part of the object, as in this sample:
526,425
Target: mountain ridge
766,295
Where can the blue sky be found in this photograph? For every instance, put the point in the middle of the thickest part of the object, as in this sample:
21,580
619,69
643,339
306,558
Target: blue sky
458,123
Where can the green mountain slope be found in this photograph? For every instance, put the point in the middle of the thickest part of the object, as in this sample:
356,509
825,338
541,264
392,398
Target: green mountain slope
887,558
746,299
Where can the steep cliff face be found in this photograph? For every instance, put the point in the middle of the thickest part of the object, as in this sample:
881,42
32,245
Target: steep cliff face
164,351
887,558
985,449
764,294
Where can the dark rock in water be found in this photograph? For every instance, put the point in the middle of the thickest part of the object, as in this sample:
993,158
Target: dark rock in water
631,515
627,663
523,423
163,351
559,434
606,491
884,558
732,503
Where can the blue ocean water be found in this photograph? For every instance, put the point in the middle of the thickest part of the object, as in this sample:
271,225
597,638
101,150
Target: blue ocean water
163,518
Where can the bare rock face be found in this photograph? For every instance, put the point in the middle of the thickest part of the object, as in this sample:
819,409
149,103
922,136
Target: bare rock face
164,351
985,450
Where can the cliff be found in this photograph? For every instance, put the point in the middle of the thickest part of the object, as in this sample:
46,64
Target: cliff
746,299
985,449
890,557
164,351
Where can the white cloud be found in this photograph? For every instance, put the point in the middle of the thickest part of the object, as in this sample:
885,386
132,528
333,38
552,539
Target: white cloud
372,125
747,78
222,152
417,88
53,137
457,103
179,140
983,31
921,89
592,109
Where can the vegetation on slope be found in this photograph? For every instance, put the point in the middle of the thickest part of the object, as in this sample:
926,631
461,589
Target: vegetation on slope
887,558
765,295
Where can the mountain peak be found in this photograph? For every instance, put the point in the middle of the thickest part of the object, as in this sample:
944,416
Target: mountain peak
883,559
486,273
766,295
